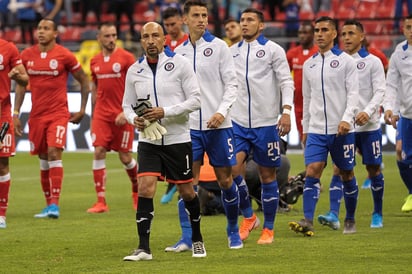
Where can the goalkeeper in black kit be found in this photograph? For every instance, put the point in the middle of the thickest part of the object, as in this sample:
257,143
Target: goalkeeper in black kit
161,90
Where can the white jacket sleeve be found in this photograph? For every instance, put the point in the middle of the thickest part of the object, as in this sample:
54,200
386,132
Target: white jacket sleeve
306,93
282,71
378,87
393,80
352,89
191,89
129,98
228,75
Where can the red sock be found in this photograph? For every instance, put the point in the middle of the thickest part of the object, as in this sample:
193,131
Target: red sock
45,185
56,179
132,173
4,193
99,176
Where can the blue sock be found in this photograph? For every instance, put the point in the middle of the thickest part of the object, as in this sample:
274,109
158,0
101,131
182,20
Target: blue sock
377,187
406,174
184,220
270,201
350,194
335,194
230,200
244,199
310,197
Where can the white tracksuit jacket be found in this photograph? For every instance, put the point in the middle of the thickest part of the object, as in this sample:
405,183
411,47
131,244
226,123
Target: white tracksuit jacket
399,81
371,88
264,81
212,61
174,87
330,92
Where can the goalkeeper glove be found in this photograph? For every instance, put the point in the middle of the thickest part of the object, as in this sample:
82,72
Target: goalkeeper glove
153,131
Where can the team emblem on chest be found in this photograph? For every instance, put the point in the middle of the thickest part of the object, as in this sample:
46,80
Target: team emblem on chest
361,65
208,52
334,63
169,66
53,64
260,53
116,67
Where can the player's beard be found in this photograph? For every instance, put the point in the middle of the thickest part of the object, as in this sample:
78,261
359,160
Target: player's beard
251,36
152,53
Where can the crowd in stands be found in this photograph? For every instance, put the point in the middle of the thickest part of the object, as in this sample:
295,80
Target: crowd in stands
78,19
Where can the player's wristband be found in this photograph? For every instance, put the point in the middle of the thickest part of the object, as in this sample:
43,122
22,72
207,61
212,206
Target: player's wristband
286,111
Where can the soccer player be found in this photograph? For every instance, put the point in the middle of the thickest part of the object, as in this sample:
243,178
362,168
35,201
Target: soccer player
48,65
172,21
265,86
397,101
10,68
211,126
167,82
330,99
110,130
296,57
368,134
232,31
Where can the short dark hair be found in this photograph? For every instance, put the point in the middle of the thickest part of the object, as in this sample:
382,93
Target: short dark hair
409,16
171,12
106,24
355,22
191,3
257,12
327,19
230,20
307,23
50,20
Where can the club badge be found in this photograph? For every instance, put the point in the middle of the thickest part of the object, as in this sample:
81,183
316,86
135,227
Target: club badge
169,66
207,52
334,64
260,53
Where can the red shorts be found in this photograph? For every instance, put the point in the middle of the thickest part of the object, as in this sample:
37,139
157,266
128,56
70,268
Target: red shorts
111,137
47,132
9,143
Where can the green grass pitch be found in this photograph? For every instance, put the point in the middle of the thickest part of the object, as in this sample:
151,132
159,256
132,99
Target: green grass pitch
83,243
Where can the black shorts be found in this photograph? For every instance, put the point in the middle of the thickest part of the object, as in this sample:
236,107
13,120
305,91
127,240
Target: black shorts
170,162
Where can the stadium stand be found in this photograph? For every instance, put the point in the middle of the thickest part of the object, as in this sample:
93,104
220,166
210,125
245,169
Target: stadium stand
376,15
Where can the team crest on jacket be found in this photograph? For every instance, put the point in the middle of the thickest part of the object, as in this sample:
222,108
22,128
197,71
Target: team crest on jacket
116,67
260,53
207,52
361,65
334,64
169,66
53,64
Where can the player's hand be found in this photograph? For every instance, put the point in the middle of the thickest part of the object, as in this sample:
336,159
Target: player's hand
343,128
14,73
153,114
303,141
154,131
362,118
284,124
17,126
216,120
390,118
139,123
76,117
120,119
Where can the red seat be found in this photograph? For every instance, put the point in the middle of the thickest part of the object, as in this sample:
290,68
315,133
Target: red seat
12,35
306,15
382,43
